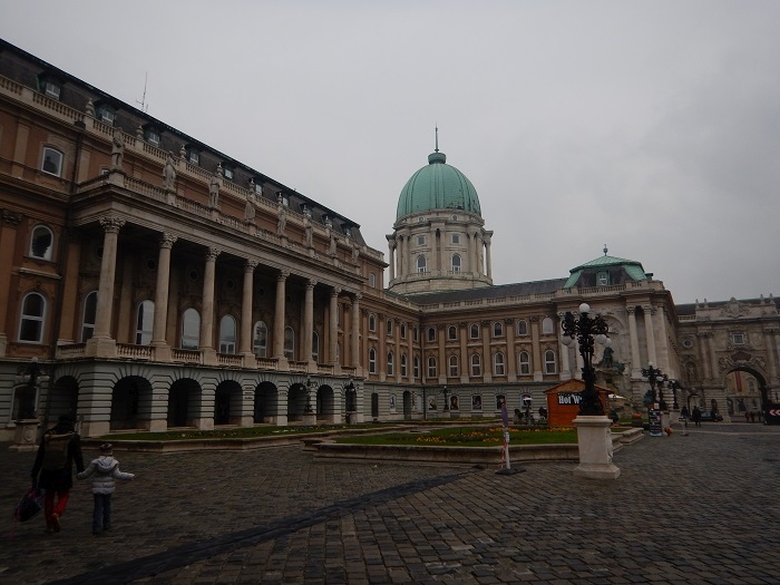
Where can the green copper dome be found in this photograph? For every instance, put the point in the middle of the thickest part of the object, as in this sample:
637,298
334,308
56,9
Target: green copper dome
437,186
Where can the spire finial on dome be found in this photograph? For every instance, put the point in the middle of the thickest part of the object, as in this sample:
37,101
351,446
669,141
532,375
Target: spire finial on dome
436,143
605,250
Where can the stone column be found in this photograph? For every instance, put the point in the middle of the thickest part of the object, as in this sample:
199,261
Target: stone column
69,331
11,220
207,318
381,359
308,322
488,261
101,343
538,362
487,358
636,364
703,336
279,310
563,351
771,350
162,351
650,334
333,337
245,340
391,257
441,339
397,349
662,352
354,346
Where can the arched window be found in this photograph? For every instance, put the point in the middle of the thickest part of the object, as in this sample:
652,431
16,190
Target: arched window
41,242
550,366
431,333
547,326
456,263
474,331
371,322
52,161
389,327
498,364
372,361
144,323
452,365
416,367
498,329
452,333
289,343
190,329
522,327
315,346
476,364
88,316
260,339
415,334
432,369
390,364
524,363
403,330
404,366
422,265
227,334
33,318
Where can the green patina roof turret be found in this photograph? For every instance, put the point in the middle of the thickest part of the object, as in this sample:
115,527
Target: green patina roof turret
618,269
438,186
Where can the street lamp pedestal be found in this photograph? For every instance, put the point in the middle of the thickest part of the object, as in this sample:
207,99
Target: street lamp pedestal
25,435
594,438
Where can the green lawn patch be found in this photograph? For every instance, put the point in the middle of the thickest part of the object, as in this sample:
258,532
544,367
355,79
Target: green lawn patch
230,433
468,437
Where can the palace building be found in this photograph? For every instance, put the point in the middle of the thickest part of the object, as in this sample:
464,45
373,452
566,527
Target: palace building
149,281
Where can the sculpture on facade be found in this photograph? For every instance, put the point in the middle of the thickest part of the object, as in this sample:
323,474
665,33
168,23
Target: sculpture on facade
169,172
308,228
214,186
249,208
117,149
282,215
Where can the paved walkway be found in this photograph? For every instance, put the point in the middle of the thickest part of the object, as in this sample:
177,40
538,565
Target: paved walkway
702,508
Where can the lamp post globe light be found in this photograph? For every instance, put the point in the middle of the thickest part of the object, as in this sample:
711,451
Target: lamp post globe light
587,330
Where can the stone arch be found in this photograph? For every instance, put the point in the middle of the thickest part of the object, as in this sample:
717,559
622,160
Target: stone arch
326,404
266,403
63,398
131,401
407,404
732,403
297,396
228,399
183,402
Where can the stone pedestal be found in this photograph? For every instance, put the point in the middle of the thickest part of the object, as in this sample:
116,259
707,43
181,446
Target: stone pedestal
25,435
309,419
595,445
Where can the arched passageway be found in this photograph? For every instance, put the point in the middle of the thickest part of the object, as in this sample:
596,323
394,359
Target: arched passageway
182,400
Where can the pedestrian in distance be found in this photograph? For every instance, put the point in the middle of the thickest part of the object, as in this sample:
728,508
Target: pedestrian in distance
696,416
103,471
52,471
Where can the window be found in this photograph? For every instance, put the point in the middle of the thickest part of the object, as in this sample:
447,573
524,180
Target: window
453,367
416,367
190,332
431,334
193,156
152,136
33,316
227,334
41,243
421,265
260,340
550,366
228,173
455,239
404,366
390,364
371,322
144,323
51,89
52,161
372,280
315,346
289,343
547,326
474,331
522,327
389,327
498,329
738,338
456,263
89,314
602,278
452,333
372,361
420,240
432,369
476,365
258,188
107,115
524,363
415,334
403,330
498,364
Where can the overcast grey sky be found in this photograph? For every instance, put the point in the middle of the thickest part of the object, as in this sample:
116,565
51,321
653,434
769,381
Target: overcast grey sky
649,126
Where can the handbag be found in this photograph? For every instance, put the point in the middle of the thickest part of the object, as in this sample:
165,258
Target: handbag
30,504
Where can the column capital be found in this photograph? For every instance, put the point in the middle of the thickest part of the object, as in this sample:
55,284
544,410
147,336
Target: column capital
335,291
649,309
283,275
111,224
167,240
11,218
311,283
212,252
250,264
631,310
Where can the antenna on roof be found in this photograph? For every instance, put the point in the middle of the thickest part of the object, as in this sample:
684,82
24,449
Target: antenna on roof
142,103
436,149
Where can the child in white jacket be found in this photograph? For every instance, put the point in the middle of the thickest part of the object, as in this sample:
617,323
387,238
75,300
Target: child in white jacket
105,470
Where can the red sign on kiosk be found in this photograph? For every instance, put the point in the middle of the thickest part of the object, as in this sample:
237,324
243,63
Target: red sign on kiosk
563,402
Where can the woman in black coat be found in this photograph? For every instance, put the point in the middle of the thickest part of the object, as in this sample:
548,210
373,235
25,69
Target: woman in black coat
59,449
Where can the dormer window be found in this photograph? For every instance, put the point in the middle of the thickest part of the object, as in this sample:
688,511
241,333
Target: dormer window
193,156
258,188
50,86
106,114
152,136
602,278
227,172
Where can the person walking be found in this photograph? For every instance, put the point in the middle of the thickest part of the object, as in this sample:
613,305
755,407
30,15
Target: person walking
696,416
60,448
103,470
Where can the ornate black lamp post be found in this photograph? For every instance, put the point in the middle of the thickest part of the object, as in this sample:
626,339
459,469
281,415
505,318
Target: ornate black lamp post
656,379
446,402
585,328
674,386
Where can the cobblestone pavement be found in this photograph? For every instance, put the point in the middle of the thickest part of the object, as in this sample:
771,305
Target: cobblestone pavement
702,508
